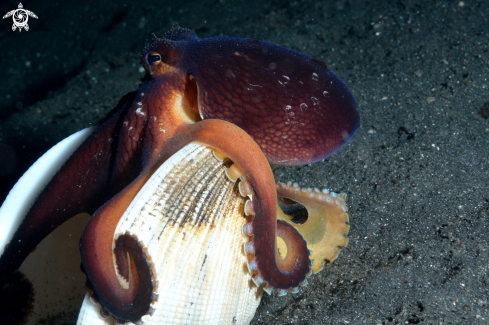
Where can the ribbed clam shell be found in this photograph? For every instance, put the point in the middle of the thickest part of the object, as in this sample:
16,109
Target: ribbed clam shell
189,216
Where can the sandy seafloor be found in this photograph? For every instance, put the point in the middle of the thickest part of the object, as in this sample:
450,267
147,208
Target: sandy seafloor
416,173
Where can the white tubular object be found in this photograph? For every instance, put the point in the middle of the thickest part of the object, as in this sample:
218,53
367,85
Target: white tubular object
25,191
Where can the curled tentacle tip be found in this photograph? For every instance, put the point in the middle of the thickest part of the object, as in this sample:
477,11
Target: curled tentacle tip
126,245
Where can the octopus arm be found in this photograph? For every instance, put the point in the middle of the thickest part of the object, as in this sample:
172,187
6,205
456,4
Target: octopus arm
81,185
265,266
124,303
133,301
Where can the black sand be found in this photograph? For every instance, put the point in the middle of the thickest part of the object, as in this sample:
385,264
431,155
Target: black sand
416,173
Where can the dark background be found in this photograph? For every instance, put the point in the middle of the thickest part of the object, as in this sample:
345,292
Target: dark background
416,173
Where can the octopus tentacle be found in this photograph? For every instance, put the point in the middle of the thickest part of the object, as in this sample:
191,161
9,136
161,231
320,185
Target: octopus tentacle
96,241
129,244
324,225
125,304
295,111
257,177
79,186
290,245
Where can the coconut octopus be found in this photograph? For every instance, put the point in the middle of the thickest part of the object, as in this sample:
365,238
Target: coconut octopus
170,238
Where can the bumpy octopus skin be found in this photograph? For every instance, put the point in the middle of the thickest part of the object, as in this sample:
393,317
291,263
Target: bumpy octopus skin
254,102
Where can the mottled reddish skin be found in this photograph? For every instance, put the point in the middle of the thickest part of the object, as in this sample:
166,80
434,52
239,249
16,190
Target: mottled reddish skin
276,95
240,81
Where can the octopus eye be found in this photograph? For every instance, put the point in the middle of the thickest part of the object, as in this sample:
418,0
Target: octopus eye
153,58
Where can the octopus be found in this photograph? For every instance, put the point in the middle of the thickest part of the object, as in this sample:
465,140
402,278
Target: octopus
254,104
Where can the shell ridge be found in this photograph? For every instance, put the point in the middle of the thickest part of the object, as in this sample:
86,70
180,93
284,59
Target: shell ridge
214,240
171,181
173,239
208,174
199,256
161,183
231,300
187,181
133,217
220,232
192,249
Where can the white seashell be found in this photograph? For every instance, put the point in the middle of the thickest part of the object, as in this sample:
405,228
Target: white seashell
90,313
54,267
222,288
189,216
25,191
